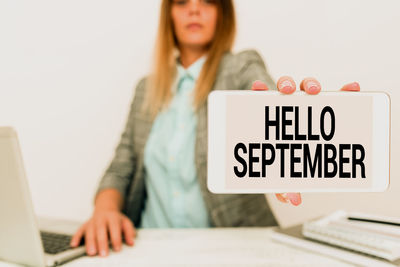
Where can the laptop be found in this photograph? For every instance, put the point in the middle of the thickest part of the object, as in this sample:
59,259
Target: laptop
22,241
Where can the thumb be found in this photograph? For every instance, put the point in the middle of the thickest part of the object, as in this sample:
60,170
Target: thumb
294,198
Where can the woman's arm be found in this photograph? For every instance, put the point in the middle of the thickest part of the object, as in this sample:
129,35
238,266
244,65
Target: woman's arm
107,221
109,199
253,69
119,172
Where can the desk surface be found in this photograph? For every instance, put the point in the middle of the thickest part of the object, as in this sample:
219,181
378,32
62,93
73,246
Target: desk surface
210,247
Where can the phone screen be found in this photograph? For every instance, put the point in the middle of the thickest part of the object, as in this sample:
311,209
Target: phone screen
294,142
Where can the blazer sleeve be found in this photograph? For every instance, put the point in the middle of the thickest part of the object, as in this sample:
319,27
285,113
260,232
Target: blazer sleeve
120,171
252,68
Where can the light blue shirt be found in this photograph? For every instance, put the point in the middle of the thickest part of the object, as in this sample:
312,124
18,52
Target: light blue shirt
174,197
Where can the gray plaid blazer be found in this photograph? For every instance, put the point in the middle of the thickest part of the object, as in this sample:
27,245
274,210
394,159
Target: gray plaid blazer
126,172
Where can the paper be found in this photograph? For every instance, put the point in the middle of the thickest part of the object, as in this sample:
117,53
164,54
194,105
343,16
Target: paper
207,247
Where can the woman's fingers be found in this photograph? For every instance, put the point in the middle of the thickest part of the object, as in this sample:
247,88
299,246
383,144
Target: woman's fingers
355,87
90,239
294,198
76,238
286,85
281,198
114,227
310,86
102,237
101,228
259,86
129,231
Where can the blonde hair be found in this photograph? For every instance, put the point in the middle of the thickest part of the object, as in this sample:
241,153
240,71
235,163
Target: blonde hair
158,91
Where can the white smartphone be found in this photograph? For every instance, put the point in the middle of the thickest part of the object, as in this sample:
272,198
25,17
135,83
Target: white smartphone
264,142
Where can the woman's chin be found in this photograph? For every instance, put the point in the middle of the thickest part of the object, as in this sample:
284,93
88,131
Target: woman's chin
196,43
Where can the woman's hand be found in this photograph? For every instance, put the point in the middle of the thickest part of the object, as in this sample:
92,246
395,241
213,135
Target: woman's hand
107,221
286,85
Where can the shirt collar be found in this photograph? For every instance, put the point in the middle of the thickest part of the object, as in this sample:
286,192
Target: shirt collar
193,70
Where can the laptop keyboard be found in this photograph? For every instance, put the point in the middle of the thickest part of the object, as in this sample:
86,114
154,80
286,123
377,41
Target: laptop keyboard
55,243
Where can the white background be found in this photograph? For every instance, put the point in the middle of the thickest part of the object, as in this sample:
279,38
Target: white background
68,69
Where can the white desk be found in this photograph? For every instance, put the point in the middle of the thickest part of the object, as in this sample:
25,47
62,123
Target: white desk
210,247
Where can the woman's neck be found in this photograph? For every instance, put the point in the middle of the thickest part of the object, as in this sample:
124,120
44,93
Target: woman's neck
189,55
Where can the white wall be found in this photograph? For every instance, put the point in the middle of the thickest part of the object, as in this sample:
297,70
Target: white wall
68,68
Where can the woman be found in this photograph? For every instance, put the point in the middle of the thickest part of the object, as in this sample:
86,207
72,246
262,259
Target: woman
158,175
